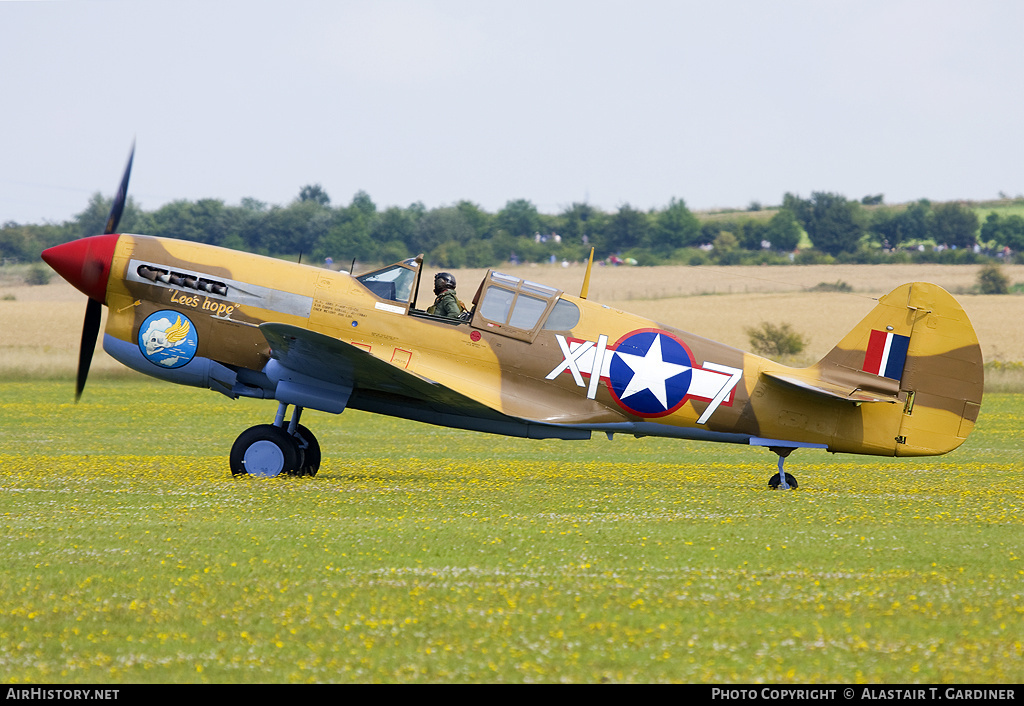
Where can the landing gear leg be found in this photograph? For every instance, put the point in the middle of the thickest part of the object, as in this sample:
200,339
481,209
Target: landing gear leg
310,448
782,479
268,450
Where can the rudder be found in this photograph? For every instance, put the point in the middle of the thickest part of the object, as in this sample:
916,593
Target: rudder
944,375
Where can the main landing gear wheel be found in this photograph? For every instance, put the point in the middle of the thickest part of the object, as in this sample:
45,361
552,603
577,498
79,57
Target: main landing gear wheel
265,451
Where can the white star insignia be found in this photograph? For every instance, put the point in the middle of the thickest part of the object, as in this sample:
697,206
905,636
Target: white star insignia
650,372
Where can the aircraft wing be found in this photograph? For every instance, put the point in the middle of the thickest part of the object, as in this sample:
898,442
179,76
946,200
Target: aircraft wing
378,386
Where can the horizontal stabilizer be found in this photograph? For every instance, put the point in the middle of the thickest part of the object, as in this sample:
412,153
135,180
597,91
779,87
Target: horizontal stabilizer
832,390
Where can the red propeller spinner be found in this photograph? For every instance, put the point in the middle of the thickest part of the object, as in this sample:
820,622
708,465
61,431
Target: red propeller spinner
85,263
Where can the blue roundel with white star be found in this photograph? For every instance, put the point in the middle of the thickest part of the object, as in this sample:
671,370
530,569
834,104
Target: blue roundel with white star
650,372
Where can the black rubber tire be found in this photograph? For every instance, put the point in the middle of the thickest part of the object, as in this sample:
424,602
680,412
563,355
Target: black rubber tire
774,482
269,446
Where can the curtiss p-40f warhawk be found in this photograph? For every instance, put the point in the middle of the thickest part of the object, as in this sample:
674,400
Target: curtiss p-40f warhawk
527,359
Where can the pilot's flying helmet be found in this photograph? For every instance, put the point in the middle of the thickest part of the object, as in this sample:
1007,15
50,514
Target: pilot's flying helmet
443,281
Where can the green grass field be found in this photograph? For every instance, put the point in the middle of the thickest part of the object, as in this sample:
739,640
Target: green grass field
421,554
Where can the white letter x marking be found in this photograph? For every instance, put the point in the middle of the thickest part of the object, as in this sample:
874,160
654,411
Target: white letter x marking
570,360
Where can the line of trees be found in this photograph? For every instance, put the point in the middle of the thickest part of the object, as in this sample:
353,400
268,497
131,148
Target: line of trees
464,235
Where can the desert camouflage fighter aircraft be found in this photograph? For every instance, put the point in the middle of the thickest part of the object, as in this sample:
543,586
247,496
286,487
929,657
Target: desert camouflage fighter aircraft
526,360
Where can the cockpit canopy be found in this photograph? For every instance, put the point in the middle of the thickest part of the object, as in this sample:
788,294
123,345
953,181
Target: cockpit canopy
520,308
503,304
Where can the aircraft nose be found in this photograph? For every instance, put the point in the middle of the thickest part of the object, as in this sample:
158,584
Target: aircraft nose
85,263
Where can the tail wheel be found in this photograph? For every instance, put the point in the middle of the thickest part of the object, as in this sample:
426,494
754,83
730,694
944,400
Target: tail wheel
310,452
265,451
775,481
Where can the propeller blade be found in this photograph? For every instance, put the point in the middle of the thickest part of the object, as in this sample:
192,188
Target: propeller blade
117,208
90,330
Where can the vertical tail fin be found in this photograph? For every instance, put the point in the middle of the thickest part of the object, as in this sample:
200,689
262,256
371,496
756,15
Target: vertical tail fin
919,346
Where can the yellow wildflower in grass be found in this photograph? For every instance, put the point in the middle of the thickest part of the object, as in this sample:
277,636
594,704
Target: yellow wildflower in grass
421,554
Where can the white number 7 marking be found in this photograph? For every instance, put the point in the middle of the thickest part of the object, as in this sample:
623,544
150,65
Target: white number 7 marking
734,377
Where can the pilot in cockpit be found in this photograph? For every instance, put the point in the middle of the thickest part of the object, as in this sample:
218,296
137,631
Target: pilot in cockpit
447,302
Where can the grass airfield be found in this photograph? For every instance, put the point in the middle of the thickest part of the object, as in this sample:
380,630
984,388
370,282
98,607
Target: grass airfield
421,554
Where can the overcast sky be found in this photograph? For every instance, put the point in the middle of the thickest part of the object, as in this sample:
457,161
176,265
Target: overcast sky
557,101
